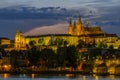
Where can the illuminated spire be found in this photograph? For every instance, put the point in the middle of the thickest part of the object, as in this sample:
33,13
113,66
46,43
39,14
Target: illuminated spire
74,24
79,20
74,28
70,27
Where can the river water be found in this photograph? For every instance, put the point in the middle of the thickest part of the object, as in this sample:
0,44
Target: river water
56,77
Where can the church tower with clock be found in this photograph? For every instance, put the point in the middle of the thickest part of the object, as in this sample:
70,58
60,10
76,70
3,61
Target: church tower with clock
20,43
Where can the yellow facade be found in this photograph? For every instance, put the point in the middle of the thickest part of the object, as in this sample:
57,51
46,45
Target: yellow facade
6,44
76,32
20,42
78,28
51,39
4,41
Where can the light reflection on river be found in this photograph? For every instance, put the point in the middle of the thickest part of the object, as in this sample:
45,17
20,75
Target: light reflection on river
56,77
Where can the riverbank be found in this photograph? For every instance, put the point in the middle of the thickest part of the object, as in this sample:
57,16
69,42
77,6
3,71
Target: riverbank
54,72
45,72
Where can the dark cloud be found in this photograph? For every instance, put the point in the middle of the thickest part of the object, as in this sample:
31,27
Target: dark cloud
27,18
33,13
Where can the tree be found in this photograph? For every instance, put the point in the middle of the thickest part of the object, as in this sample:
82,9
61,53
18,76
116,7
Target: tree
119,47
65,43
49,57
111,47
81,43
41,41
94,43
94,53
102,45
3,52
61,56
72,56
32,43
58,41
89,45
33,56
14,57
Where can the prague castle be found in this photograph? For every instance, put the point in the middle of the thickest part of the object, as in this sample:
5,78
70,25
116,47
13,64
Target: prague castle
76,31
79,29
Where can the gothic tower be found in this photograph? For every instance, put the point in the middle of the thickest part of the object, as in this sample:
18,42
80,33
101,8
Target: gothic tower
74,29
77,29
87,28
19,41
70,31
80,27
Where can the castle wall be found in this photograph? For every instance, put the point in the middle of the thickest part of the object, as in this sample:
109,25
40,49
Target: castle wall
75,32
51,40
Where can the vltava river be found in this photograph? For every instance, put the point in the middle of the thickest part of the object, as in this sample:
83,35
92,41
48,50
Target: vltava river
56,77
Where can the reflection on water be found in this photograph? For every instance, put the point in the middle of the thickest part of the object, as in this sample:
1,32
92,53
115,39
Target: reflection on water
96,77
6,75
56,76
33,76
84,77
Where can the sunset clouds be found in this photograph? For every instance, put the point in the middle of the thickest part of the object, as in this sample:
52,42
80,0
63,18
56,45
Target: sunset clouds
44,30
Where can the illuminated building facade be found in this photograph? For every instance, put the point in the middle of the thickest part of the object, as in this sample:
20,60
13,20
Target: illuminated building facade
20,42
79,29
76,32
4,41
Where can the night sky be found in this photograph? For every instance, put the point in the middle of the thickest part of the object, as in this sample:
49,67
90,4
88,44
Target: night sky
38,16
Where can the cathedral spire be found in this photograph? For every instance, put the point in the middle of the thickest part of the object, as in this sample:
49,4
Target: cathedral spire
74,24
70,27
74,28
79,20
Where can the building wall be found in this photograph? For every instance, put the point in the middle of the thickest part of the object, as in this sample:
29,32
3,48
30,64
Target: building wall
51,40
78,28
20,42
75,32
73,40
5,41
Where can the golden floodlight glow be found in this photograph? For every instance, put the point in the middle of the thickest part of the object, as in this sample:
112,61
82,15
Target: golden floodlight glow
33,75
5,75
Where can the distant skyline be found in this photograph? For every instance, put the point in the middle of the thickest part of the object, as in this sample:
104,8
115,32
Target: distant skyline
26,15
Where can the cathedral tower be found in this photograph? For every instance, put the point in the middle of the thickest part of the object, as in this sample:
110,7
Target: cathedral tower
74,29
70,31
77,29
87,28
